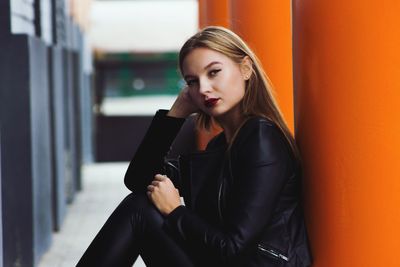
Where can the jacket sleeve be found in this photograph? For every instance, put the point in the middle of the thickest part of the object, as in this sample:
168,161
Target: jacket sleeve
263,158
149,157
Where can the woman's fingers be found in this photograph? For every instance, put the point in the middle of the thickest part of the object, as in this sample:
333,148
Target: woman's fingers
163,194
155,182
160,177
150,188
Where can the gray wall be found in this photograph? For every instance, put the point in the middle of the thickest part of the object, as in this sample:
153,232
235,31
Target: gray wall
24,109
43,95
58,128
16,153
41,147
1,214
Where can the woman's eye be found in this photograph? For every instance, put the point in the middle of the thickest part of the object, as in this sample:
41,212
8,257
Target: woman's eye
214,72
190,82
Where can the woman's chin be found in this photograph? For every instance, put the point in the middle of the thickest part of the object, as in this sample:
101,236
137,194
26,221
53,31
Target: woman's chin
214,112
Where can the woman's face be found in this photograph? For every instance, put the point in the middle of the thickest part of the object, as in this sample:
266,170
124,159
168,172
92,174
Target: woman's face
216,83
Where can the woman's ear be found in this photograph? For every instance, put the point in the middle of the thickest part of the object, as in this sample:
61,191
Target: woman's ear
246,68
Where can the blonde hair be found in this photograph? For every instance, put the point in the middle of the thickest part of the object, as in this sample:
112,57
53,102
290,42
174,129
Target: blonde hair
258,99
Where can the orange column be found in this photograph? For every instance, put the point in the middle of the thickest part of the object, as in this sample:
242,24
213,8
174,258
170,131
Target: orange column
265,25
214,12
347,106
202,13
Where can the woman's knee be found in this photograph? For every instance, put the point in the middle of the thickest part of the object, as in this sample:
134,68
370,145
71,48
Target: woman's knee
135,200
139,204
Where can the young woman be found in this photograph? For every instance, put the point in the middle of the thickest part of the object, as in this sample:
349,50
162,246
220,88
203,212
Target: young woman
242,194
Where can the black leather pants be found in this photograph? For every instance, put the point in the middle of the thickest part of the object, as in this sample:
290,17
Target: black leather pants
135,227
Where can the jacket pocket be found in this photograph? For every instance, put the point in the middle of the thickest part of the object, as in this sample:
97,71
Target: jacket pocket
272,253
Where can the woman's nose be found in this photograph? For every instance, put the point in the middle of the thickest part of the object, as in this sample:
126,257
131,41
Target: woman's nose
204,87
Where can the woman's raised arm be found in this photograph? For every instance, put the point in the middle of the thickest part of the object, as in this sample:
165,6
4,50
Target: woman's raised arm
149,157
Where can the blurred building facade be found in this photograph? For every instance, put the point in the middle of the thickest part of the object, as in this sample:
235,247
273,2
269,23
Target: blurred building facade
45,121
136,68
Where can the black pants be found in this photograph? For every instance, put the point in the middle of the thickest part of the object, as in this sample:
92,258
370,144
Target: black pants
134,228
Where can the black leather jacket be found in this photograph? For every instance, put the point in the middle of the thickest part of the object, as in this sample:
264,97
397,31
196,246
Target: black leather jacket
243,206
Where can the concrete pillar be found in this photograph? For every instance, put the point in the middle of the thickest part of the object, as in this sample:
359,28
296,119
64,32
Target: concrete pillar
1,213
87,101
69,123
58,152
26,162
347,95
265,25
25,146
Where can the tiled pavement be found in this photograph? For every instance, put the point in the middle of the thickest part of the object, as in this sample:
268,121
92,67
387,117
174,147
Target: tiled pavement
103,190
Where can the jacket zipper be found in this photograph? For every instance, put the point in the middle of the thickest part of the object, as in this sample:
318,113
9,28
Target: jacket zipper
227,156
219,201
273,253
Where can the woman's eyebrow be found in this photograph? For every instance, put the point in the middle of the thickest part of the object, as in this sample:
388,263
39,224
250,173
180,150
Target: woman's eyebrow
206,67
212,63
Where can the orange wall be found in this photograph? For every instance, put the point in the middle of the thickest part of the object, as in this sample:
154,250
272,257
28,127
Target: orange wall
347,105
265,25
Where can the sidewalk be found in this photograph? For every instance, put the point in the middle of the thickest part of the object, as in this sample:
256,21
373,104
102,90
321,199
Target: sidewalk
103,190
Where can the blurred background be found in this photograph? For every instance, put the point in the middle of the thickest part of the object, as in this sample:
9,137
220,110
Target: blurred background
80,81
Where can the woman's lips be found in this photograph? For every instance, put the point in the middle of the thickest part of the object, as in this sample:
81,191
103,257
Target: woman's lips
211,102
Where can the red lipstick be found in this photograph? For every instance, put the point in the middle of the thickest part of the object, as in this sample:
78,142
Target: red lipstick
211,102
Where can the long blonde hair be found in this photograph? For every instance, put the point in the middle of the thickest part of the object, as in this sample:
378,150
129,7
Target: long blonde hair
258,99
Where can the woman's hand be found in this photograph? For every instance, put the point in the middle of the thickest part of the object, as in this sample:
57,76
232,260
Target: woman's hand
183,105
163,194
